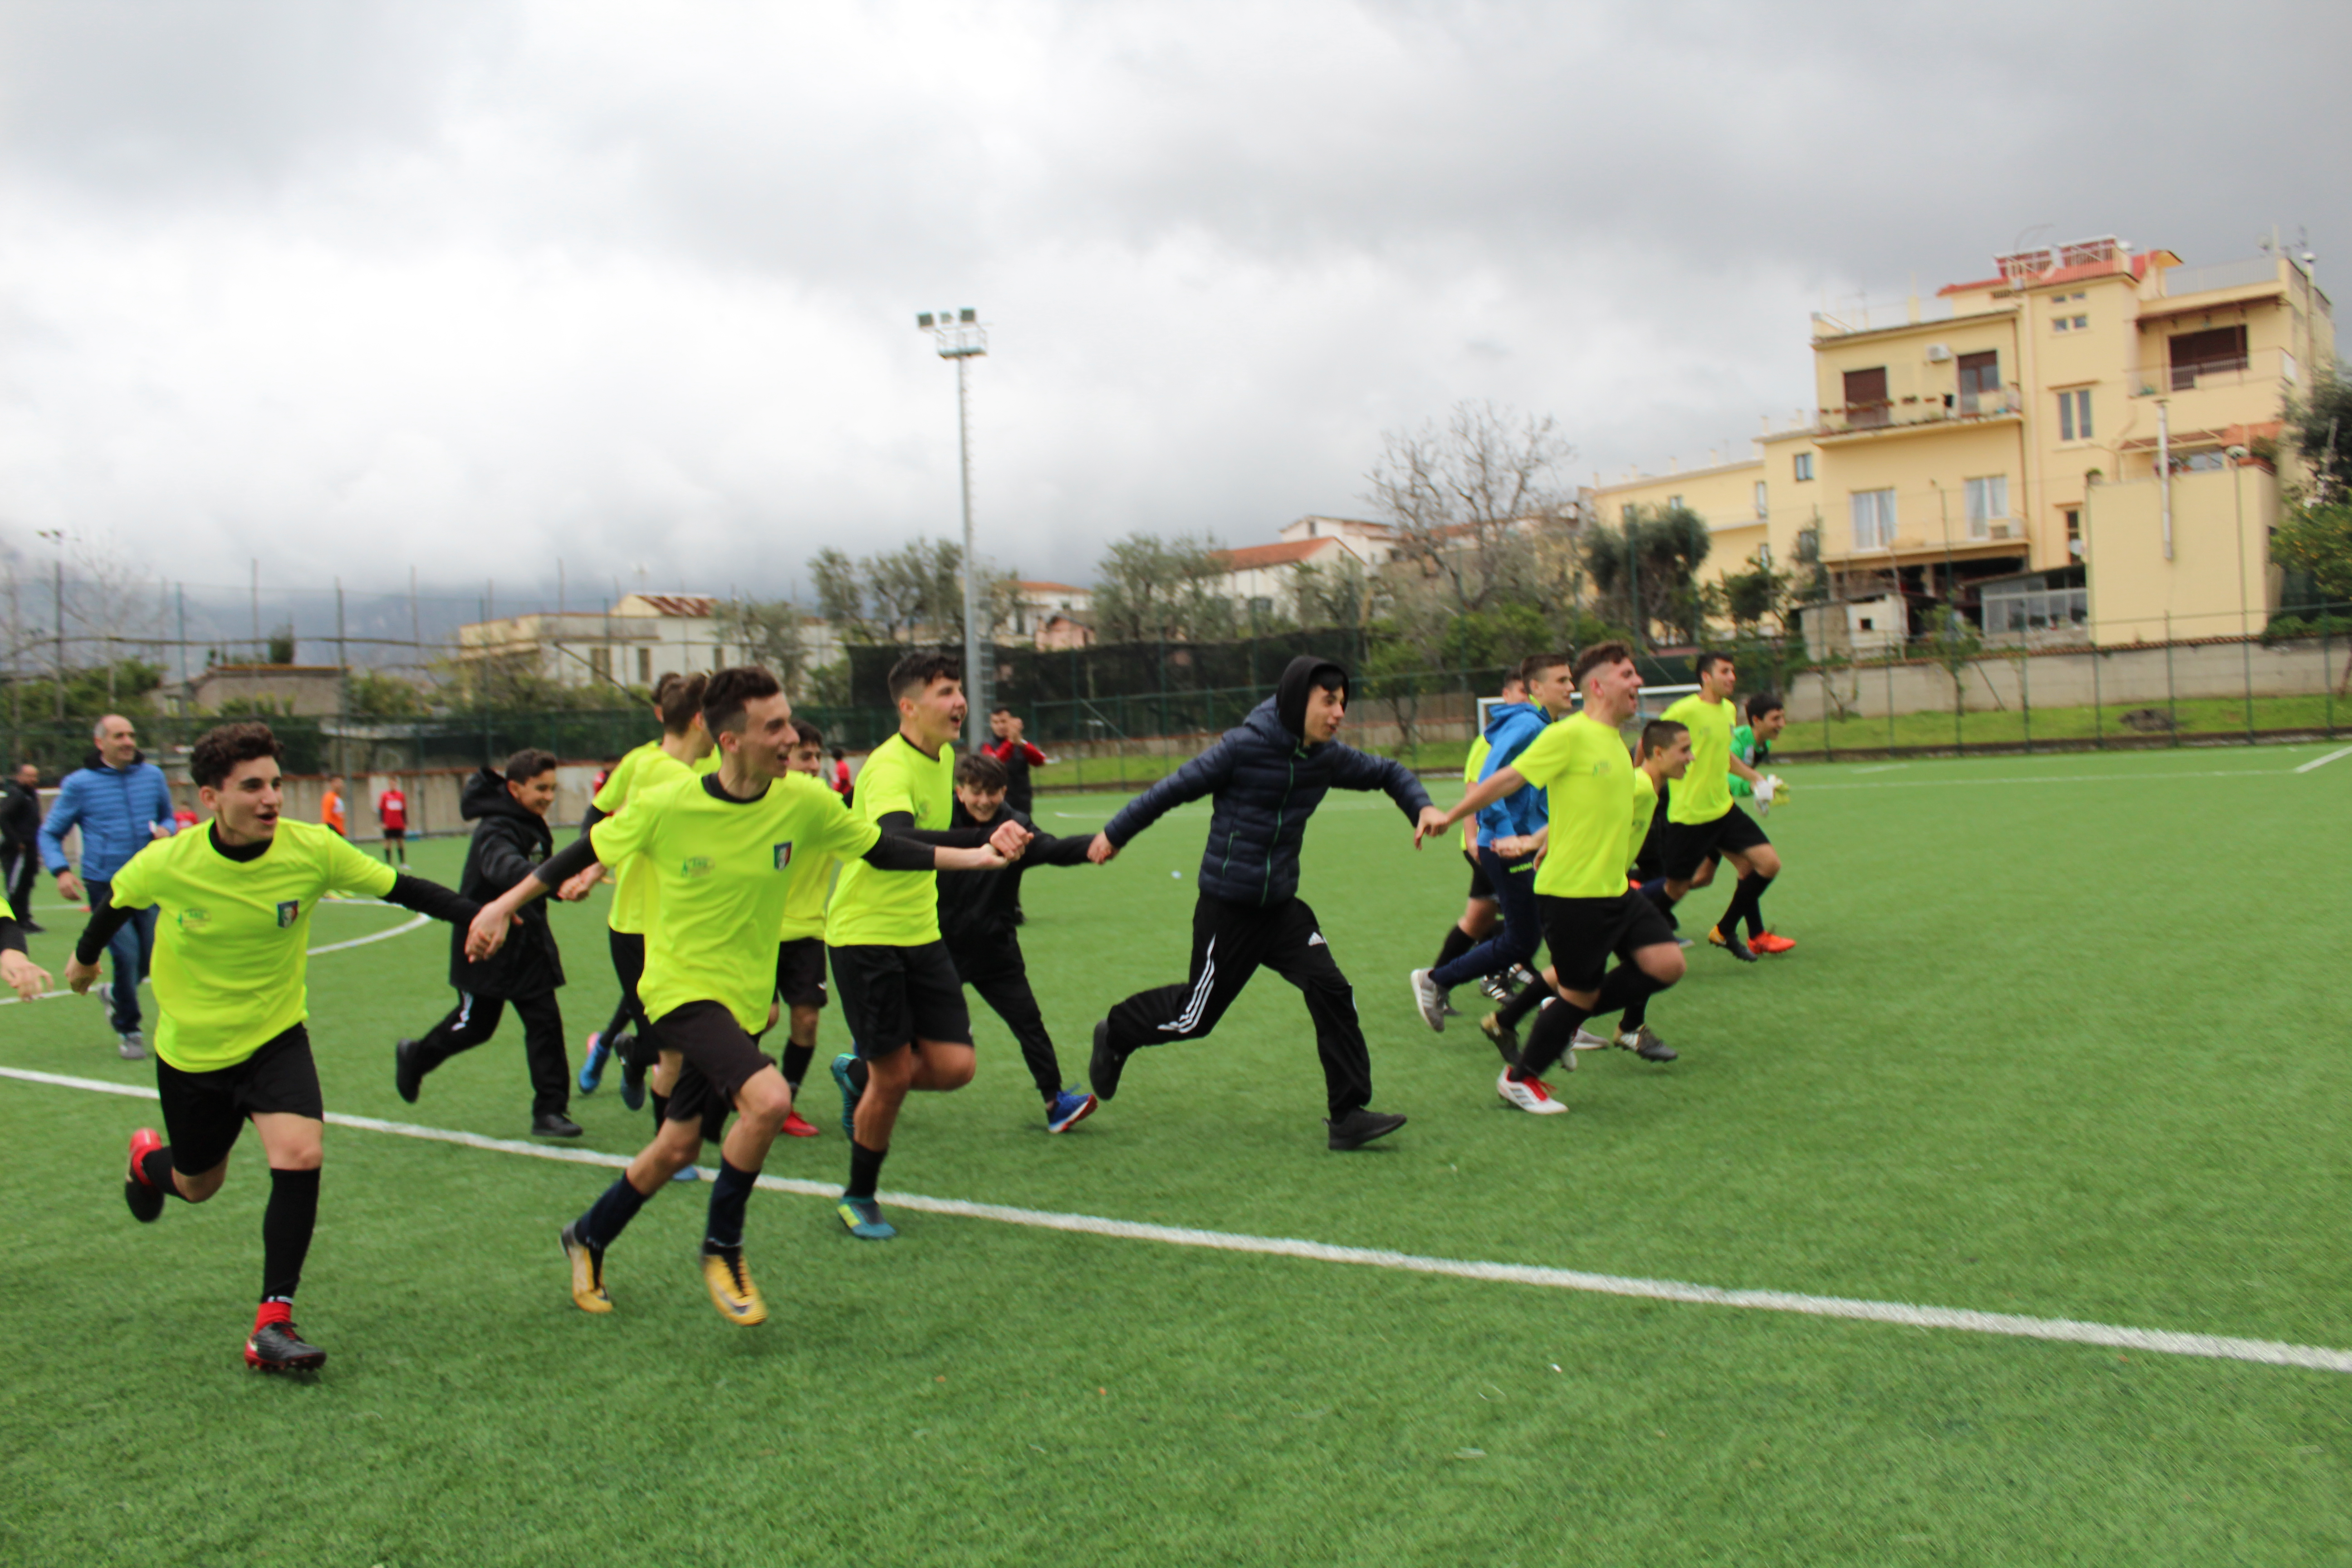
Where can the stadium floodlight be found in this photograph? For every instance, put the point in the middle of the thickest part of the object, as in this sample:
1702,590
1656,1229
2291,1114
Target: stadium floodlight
959,336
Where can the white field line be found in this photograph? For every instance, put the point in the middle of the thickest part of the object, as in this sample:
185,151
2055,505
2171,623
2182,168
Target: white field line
314,953
1883,768
2165,1342
1811,787
2323,761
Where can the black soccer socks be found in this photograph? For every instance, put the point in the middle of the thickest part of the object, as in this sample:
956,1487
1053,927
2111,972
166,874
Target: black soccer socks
285,1226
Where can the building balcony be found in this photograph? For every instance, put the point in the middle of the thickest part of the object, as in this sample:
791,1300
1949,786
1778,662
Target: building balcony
2270,371
1917,415
2001,537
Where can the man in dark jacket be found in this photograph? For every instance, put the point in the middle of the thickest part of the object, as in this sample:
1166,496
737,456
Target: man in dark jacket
1266,776
978,912
510,840
20,834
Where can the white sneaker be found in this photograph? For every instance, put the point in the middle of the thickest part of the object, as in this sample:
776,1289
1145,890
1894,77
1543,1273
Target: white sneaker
1429,1000
1531,1096
1586,1040
133,1047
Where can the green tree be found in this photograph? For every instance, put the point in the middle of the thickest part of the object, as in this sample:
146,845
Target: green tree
1645,572
2317,541
382,696
768,632
2319,427
1150,589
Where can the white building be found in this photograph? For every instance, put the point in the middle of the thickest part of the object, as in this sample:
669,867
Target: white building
639,638
1265,575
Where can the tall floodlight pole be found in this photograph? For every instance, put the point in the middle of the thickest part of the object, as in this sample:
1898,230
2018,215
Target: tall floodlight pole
959,337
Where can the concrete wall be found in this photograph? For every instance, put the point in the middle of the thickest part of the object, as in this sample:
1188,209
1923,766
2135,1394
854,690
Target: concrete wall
2137,595
2125,677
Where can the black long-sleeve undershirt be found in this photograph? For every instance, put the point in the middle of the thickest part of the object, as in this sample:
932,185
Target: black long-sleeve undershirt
12,936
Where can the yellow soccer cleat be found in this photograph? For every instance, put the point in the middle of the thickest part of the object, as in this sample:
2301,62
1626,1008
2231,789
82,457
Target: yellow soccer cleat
731,1290
587,1274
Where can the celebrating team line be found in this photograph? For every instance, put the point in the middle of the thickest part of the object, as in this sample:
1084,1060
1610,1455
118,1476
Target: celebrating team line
742,873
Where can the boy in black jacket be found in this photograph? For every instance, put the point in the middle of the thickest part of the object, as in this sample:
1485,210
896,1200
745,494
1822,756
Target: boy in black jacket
1267,775
511,838
978,912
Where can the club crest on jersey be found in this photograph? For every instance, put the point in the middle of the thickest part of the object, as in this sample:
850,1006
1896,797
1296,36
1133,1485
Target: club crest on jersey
289,912
783,855
696,866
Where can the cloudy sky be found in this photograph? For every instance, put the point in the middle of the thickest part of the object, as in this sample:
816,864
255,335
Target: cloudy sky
468,287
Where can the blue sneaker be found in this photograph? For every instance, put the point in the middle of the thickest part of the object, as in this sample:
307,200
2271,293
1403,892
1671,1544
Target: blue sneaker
688,1173
863,1219
592,1070
849,1094
1069,1109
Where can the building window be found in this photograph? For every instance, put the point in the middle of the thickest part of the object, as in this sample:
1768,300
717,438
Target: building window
2208,461
600,663
2203,353
1981,382
2075,415
1987,503
1673,503
1761,510
1628,513
644,667
1804,466
1874,520
1764,555
1866,403
2074,532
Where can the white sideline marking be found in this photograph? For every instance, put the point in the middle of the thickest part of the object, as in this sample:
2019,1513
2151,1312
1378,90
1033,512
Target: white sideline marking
1883,768
314,953
2323,761
2052,778
2270,1353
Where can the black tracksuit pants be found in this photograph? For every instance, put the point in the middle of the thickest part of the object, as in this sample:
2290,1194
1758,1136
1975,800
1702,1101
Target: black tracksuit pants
996,969
1231,941
18,862
628,948
476,1018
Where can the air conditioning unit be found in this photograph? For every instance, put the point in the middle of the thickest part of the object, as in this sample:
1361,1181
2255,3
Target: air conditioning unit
2005,531
1938,353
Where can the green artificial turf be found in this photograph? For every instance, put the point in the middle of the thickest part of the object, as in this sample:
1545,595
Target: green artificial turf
2064,1037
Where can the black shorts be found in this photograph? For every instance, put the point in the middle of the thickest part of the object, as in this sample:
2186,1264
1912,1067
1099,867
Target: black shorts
1480,888
893,996
800,972
1583,932
204,1112
720,1057
1689,845
395,834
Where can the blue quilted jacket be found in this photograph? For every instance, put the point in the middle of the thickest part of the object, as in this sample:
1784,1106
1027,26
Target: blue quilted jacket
113,806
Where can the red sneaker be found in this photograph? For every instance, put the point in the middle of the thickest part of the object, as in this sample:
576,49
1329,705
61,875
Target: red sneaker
145,1199
796,1128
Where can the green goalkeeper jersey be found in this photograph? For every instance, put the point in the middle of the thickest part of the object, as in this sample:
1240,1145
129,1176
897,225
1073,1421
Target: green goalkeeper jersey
1747,747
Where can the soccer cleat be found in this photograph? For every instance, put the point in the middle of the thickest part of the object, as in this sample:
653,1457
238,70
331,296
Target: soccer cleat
1521,976
146,1199
587,1272
1506,1038
405,1079
1530,1095
1107,1064
1729,941
278,1347
1495,987
1645,1045
1585,1039
687,1173
633,1072
1771,942
863,1219
795,1127
1451,1010
849,1094
731,1290
1069,1109
1429,1000
1361,1126
591,1066
133,1047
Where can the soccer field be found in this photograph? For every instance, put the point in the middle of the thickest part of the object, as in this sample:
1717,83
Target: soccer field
2064,1041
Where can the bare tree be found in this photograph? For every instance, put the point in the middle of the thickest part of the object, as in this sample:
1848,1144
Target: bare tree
1149,589
1471,502
768,631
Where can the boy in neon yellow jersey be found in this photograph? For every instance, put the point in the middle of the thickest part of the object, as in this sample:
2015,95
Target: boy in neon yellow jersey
1597,807
1701,817
900,996
721,848
230,966
684,745
800,949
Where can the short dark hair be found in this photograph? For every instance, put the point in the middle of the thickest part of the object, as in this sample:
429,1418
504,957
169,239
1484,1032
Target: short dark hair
224,746
723,698
978,770
679,698
917,670
528,764
1763,702
838,753
807,734
1535,664
1659,733
999,707
1512,677
1598,654
1708,661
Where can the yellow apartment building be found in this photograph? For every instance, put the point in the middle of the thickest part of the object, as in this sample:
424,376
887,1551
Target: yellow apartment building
2082,446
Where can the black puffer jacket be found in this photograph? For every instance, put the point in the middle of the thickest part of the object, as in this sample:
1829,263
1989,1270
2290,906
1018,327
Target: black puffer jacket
1267,781
976,907
508,843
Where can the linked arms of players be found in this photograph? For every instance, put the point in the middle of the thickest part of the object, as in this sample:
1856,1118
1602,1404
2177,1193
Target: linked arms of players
1484,793
18,970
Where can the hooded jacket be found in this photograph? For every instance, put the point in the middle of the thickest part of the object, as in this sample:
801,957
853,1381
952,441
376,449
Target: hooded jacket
1511,728
1267,780
508,843
114,807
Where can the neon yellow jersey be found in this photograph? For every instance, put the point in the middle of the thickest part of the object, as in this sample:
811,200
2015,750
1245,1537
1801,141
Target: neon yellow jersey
231,936
1478,750
1645,806
721,871
811,886
1703,793
895,909
639,773
1583,766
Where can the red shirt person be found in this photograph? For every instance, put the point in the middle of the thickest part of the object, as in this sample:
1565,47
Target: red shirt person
1017,755
392,811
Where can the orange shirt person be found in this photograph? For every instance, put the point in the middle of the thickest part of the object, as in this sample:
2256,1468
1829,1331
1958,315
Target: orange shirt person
331,810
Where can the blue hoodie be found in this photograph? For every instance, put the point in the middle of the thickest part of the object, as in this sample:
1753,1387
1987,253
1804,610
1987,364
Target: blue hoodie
113,806
1511,728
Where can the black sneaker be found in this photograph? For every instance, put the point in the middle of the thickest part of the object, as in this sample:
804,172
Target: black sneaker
1506,1038
405,1079
146,1202
1729,941
1645,1045
553,1124
278,1347
1103,1070
1361,1126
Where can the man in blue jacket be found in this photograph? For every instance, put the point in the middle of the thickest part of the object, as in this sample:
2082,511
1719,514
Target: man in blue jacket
1266,776
120,802
1510,832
